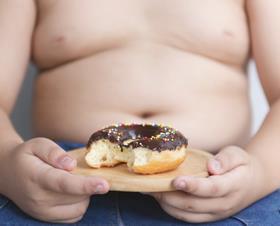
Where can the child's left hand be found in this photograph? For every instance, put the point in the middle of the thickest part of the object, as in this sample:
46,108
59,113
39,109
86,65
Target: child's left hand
236,181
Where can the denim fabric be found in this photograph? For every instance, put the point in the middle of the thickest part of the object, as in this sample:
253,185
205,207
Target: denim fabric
134,209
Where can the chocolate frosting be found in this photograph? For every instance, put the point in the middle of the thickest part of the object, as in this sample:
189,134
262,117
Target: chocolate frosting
152,136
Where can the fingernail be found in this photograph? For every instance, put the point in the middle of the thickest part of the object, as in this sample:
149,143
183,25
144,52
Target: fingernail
216,165
181,185
66,162
99,189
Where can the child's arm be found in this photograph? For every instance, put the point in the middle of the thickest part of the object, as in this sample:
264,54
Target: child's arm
240,177
33,174
264,18
17,19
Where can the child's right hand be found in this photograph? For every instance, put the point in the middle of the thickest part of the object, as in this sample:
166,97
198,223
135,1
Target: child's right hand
35,176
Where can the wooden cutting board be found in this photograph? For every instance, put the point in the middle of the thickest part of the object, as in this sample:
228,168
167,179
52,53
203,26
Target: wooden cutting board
120,179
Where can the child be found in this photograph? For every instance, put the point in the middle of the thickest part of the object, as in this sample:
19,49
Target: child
180,63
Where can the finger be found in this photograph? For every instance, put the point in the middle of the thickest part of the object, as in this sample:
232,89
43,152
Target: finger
64,182
69,221
72,212
188,216
227,159
65,199
68,213
213,186
192,204
178,200
52,154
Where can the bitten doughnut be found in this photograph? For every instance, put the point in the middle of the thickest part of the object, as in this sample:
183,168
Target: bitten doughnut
146,148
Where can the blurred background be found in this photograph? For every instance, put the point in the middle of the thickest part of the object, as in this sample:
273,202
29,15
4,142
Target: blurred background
21,116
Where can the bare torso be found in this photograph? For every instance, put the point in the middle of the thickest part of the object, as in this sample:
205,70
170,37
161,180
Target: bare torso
180,63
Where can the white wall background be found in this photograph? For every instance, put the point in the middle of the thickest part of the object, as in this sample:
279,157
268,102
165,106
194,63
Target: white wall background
258,100
22,112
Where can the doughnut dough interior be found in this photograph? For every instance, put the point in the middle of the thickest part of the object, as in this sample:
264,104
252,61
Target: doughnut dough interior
139,160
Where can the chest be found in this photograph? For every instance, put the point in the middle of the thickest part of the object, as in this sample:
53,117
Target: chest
215,28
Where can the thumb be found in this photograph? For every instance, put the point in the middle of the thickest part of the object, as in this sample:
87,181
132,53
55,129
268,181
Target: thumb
227,159
55,156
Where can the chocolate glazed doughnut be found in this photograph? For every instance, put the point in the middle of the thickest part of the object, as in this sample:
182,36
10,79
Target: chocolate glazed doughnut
146,148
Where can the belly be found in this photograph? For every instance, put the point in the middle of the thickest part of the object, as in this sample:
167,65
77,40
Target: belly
144,82
142,61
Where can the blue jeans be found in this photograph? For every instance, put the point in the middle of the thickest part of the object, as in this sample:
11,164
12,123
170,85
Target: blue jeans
135,209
